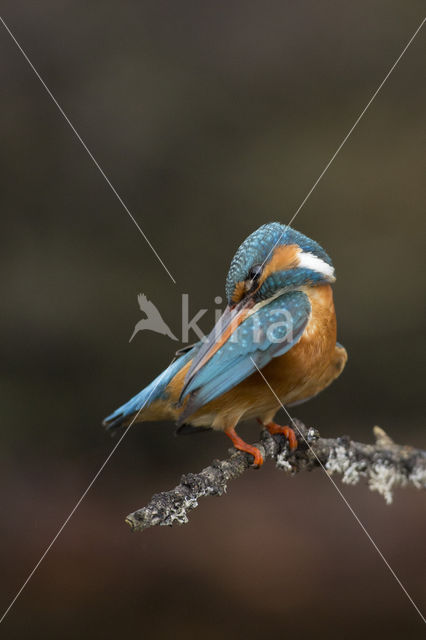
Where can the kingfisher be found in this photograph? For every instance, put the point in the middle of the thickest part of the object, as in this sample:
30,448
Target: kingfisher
274,345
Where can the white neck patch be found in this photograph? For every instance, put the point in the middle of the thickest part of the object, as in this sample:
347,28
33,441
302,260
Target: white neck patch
310,261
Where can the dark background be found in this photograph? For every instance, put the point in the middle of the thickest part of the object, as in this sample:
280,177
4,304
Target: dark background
210,119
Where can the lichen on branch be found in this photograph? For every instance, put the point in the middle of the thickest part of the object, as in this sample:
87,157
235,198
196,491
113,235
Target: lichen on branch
384,465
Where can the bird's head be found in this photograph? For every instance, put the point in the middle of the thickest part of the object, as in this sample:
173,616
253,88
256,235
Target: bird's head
273,260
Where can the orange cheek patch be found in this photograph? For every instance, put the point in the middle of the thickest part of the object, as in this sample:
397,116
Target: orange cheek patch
283,257
239,291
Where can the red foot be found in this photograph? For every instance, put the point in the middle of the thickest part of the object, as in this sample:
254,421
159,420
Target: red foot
243,446
288,432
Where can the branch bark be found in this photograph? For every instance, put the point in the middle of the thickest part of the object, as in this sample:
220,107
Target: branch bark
384,465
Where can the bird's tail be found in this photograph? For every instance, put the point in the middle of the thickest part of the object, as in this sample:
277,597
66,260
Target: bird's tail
152,403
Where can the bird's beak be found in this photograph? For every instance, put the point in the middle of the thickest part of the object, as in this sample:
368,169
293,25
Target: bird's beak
229,321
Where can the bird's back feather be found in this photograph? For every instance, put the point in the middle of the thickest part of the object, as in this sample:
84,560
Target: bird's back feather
254,345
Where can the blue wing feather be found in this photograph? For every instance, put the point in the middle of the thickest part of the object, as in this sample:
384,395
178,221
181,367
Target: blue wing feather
266,334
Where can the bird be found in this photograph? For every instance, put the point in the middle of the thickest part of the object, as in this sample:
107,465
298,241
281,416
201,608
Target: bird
279,326
153,320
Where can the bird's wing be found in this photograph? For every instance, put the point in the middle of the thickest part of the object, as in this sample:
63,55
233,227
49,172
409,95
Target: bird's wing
264,335
147,306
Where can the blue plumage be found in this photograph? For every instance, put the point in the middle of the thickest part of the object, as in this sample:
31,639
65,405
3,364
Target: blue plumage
289,279
275,302
264,335
257,248
156,389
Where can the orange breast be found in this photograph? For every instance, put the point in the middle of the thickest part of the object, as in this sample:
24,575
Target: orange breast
297,375
300,372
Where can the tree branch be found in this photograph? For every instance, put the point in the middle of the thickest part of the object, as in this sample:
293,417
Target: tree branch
385,465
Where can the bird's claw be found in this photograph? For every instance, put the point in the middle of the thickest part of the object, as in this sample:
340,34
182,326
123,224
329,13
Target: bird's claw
257,458
286,431
244,446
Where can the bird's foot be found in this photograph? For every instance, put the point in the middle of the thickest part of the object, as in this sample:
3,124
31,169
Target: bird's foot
286,431
247,448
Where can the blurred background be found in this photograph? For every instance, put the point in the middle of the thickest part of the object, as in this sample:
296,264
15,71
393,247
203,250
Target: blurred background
210,119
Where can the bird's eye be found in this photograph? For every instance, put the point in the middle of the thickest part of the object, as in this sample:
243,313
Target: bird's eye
255,272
